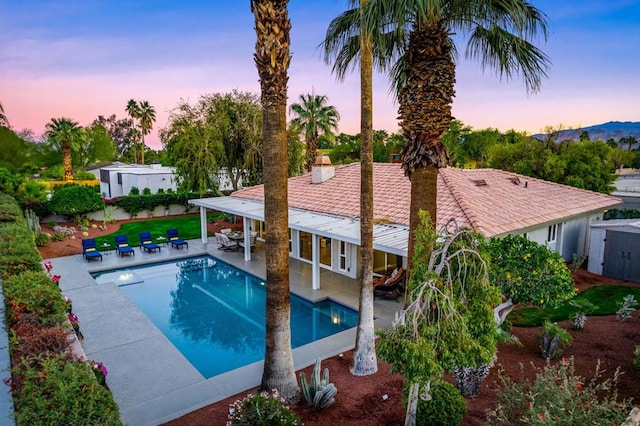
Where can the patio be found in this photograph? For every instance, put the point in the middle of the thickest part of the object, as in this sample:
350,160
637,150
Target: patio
150,379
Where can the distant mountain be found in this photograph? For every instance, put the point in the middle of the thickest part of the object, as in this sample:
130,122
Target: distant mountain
611,130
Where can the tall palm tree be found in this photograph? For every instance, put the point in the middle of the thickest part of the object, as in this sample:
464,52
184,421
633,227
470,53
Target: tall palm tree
133,109
4,121
365,361
65,133
272,59
415,36
315,117
147,116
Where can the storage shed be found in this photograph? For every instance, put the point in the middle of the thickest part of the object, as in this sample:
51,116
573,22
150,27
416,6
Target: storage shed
614,249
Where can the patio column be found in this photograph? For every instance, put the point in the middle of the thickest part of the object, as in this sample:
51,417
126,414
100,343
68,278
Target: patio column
203,224
315,262
246,226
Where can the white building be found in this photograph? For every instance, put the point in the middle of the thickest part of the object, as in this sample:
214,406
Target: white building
118,179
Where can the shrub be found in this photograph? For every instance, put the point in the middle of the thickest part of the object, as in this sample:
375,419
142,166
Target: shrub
134,191
320,392
262,408
627,306
29,339
553,339
33,294
75,201
9,210
80,175
447,406
557,396
146,191
18,252
58,236
60,392
42,239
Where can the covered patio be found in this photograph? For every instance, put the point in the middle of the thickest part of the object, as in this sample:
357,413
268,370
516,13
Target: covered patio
343,232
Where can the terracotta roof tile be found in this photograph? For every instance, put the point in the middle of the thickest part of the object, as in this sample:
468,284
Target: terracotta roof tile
504,202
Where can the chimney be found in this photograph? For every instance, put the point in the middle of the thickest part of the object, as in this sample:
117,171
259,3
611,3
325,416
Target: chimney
322,170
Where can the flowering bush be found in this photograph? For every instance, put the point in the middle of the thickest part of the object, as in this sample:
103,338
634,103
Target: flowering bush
261,408
100,371
558,396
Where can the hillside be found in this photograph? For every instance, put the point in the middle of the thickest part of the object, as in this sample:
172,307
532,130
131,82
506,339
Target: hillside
611,130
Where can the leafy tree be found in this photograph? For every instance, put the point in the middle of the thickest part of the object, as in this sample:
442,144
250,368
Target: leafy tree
295,152
272,60
315,117
13,150
448,320
222,131
94,145
4,121
635,162
416,36
75,201
527,273
120,131
64,133
589,165
9,182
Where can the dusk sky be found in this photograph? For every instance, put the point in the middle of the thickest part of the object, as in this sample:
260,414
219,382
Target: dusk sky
81,59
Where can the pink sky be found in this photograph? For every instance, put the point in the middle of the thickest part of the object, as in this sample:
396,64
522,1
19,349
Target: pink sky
81,73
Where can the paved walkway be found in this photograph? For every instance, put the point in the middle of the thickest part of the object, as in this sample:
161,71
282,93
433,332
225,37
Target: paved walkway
150,379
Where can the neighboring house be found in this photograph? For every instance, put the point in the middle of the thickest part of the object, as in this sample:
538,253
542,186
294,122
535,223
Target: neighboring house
628,189
118,179
324,209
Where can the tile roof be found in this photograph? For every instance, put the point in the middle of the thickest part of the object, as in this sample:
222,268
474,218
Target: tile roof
494,202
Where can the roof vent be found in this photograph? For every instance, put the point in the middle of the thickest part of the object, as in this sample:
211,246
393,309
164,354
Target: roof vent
515,180
322,169
479,182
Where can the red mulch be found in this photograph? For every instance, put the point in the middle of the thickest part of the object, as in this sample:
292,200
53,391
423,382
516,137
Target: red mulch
359,399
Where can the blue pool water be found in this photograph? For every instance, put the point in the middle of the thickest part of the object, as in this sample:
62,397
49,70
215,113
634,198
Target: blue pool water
214,313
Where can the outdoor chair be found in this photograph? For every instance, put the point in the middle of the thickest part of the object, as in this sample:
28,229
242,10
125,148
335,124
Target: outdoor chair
90,250
252,238
175,240
122,246
225,243
146,242
391,288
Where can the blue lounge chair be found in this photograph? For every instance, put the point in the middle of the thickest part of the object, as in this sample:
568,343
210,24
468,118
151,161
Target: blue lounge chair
174,238
122,246
146,242
90,250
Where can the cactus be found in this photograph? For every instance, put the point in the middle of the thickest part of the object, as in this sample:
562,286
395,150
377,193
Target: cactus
33,221
320,392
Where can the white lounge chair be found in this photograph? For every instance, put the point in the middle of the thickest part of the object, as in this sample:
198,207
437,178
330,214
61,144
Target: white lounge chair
225,243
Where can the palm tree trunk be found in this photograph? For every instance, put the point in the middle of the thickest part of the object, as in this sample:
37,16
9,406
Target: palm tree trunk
66,160
272,61
364,356
425,113
142,150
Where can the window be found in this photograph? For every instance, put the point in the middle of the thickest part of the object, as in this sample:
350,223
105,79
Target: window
343,256
552,233
304,247
383,261
325,251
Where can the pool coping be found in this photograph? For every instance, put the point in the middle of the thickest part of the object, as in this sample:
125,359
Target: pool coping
165,386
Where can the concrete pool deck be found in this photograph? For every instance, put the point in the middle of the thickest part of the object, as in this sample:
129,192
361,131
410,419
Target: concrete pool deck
151,381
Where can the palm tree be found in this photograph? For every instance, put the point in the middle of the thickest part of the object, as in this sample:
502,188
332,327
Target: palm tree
314,116
4,121
272,59
133,109
415,36
65,133
147,116
365,361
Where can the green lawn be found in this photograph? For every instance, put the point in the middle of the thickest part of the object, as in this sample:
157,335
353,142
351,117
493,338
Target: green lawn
188,227
604,297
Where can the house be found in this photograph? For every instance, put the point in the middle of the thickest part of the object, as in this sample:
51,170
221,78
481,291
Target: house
117,180
324,209
614,249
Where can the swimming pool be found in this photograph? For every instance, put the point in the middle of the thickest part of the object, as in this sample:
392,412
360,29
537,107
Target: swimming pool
213,313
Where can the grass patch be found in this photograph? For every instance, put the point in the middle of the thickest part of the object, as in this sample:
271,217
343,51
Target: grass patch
188,227
604,297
